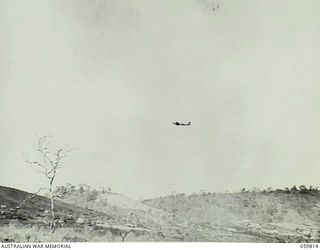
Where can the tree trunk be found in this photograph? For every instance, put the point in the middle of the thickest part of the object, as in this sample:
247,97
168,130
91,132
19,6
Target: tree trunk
52,226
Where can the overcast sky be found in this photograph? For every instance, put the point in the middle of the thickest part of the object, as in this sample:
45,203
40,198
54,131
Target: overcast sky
109,77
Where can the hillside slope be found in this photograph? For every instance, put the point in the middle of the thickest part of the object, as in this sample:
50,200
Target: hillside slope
15,204
91,215
127,211
274,216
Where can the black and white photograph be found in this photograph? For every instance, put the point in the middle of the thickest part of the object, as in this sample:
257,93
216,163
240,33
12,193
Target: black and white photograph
160,121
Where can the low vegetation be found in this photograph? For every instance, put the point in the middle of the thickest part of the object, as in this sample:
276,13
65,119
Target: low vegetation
87,214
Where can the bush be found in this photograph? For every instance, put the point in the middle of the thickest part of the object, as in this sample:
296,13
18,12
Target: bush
92,195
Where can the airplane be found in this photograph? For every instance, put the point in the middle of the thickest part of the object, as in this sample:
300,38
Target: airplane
182,124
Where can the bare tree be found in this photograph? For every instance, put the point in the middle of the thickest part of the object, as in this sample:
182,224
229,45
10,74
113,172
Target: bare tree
50,161
123,235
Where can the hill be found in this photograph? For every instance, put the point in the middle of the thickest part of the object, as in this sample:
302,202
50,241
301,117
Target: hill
86,214
31,208
278,216
89,216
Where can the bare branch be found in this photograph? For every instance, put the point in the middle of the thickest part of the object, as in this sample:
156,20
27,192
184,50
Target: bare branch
123,235
57,196
42,149
36,163
41,172
40,189
48,176
53,169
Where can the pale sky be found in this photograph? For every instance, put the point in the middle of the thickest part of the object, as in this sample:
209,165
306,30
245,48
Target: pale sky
109,77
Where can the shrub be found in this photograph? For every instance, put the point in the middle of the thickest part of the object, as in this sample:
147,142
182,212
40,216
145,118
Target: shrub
92,195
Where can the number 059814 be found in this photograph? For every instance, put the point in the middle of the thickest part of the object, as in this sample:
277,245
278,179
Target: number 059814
309,245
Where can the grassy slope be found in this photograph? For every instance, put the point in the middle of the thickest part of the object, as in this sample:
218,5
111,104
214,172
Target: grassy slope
94,220
275,216
124,210
12,197
248,217
37,209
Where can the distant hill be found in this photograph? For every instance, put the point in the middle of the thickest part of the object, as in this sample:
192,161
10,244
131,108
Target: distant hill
123,209
90,215
107,199
281,215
